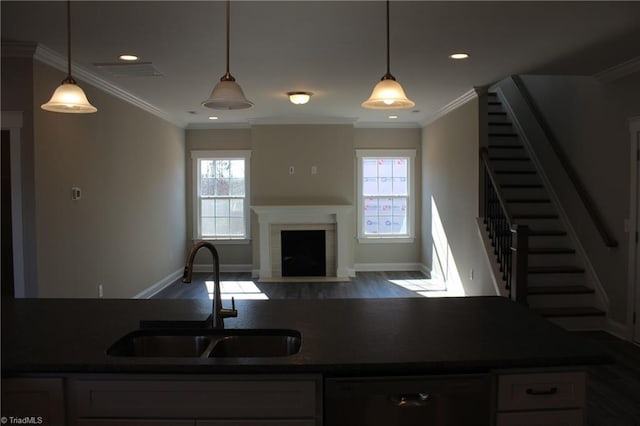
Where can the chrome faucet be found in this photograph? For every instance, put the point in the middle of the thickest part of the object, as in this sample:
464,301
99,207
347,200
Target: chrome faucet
218,313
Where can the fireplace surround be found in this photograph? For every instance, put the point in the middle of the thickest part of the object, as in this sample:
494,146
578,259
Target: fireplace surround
333,219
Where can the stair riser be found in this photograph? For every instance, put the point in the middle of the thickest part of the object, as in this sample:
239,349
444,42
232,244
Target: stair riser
531,208
495,108
539,242
511,166
518,179
507,153
579,323
552,259
546,224
524,192
502,127
561,300
553,280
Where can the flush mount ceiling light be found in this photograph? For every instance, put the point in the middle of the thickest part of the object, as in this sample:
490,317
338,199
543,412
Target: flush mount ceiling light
227,94
128,57
388,93
459,55
299,98
69,97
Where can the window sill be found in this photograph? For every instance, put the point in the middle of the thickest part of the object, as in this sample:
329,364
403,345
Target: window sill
386,240
239,241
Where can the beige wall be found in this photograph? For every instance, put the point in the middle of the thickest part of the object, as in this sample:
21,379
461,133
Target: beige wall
330,148
589,121
128,230
450,177
17,95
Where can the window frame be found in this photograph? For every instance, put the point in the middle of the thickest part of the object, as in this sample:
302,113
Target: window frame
410,155
196,157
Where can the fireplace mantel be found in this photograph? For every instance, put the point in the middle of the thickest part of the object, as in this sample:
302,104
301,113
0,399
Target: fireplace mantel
340,215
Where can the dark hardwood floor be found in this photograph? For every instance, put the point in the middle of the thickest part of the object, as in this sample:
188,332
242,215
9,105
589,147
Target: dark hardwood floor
364,285
613,390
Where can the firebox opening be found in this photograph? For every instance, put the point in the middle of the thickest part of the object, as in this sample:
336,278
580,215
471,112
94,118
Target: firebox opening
303,253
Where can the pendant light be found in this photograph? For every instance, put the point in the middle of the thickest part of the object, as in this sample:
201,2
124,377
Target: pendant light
227,94
388,93
69,97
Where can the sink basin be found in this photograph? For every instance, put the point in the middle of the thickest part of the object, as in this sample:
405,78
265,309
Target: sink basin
256,345
207,343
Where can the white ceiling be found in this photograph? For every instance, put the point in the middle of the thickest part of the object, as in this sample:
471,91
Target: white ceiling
335,49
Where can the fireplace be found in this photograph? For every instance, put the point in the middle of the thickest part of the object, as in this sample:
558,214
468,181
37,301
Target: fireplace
303,253
333,221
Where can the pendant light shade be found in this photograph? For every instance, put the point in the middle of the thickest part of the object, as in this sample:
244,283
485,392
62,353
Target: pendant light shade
388,93
69,97
227,94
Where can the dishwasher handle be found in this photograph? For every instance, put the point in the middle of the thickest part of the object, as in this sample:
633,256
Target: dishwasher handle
419,399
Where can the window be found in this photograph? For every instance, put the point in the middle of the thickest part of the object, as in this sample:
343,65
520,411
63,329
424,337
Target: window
386,195
221,194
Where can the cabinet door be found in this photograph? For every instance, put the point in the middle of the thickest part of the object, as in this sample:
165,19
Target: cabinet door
304,422
41,401
542,418
132,422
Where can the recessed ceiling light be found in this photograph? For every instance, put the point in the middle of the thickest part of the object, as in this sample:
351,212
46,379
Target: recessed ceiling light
128,57
213,117
459,55
393,116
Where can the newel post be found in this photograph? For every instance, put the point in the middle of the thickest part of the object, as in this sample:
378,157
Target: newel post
520,247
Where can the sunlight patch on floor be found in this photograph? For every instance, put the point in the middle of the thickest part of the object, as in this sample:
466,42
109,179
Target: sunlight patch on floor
239,290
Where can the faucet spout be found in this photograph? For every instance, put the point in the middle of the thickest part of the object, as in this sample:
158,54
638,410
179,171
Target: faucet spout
218,312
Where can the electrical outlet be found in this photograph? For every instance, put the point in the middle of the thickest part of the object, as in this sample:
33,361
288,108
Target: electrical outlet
100,291
471,274
314,170
292,170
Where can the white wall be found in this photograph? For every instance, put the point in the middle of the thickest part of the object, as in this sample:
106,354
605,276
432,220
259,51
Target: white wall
450,165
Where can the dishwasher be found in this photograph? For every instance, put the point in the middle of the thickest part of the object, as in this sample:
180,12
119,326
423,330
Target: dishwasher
448,400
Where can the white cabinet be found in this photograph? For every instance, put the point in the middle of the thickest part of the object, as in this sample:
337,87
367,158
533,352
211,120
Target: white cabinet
261,400
35,400
541,398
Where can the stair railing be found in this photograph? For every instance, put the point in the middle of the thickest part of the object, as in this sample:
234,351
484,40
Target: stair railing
510,241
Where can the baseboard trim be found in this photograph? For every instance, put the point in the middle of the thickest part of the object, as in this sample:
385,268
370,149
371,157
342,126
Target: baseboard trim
203,267
381,267
618,329
149,292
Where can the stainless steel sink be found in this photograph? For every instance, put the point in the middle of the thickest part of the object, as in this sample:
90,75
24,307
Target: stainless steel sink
207,343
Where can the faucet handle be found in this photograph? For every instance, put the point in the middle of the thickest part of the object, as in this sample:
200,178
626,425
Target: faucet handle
228,313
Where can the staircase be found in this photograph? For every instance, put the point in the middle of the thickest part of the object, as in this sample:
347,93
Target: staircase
558,285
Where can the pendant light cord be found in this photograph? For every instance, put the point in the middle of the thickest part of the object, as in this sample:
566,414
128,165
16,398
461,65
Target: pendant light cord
69,79
388,75
227,76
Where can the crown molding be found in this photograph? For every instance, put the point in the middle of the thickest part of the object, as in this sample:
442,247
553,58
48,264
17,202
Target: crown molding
59,62
619,71
218,126
18,49
454,104
302,119
387,125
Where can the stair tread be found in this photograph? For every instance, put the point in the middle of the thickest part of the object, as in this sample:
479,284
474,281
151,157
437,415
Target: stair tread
523,159
499,123
503,135
497,113
566,269
570,311
551,250
559,289
515,172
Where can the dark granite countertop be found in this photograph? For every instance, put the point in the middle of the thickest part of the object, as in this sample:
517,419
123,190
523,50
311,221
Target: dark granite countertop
339,336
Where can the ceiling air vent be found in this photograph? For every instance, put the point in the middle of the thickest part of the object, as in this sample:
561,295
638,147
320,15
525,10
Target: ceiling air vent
138,69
